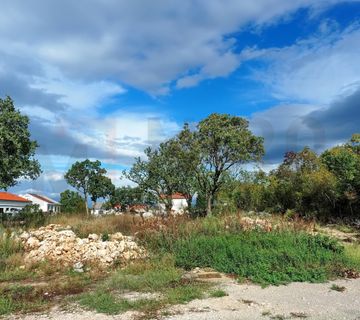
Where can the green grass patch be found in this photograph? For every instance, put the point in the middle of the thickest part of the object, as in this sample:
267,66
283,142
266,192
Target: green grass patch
218,293
277,257
146,276
19,298
335,287
184,293
158,275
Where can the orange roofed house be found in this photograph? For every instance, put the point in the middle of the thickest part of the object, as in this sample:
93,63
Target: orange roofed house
179,203
11,203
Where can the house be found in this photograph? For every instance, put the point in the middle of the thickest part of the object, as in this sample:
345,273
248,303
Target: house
98,209
179,203
46,204
11,203
138,208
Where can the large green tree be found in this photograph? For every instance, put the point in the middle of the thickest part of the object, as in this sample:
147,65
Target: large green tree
222,142
84,175
71,202
162,173
17,150
100,187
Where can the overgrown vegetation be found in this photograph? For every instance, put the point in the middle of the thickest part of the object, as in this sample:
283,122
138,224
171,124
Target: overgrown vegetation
156,276
276,257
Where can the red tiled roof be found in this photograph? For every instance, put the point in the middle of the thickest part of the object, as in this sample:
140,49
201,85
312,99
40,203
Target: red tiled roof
176,195
41,198
6,196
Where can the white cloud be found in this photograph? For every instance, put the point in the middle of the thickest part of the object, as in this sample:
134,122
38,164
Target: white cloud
144,44
315,70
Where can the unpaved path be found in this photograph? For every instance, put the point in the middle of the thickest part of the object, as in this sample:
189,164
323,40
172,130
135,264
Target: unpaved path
294,301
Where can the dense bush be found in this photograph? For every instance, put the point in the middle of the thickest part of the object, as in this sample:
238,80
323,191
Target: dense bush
267,258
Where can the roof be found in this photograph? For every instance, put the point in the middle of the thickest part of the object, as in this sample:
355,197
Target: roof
176,195
43,198
6,196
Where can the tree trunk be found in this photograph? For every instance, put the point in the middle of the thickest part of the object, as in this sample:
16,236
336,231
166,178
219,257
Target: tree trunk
209,205
86,204
168,206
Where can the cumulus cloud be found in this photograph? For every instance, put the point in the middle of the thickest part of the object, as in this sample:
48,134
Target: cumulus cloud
143,44
314,70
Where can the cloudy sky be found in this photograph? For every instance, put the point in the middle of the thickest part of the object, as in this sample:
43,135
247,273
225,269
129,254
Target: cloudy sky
104,79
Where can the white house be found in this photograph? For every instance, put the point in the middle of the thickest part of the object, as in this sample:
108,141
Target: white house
46,204
11,203
179,204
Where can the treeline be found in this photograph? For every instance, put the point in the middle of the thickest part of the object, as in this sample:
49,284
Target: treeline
325,186
204,163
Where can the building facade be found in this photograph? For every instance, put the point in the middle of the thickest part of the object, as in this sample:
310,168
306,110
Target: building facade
46,204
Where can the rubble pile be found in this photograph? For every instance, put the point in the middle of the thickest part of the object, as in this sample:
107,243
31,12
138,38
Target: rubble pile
250,223
58,243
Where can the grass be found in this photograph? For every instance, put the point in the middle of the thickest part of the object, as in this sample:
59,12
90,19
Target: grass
218,293
20,298
276,257
84,225
335,287
158,276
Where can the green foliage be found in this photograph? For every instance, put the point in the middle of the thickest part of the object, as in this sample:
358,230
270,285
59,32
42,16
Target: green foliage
128,196
89,178
158,275
264,257
17,150
32,216
168,169
222,141
71,202
218,293
104,302
335,287
197,161
148,276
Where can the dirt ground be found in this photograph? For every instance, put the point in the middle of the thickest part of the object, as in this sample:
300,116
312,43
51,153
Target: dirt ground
247,301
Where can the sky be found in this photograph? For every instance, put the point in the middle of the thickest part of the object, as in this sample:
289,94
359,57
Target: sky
105,79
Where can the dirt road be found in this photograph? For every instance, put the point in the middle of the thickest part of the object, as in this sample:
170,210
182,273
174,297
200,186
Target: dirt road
294,301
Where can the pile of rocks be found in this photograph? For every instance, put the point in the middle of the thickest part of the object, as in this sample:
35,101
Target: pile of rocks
250,224
58,243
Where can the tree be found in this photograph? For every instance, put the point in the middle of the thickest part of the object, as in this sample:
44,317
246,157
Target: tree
17,150
100,186
82,176
128,196
71,202
344,163
168,169
221,142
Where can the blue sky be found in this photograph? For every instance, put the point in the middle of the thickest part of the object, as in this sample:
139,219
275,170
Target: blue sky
106,79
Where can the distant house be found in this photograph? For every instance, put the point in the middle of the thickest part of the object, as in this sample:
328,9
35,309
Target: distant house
46,204
11,203
138,208
98,208
179,203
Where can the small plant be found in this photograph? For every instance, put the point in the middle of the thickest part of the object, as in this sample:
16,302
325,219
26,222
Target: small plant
218,293
266,313
335,287
302,315
105,237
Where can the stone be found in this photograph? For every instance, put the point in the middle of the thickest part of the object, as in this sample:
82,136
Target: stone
55,243
78,267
